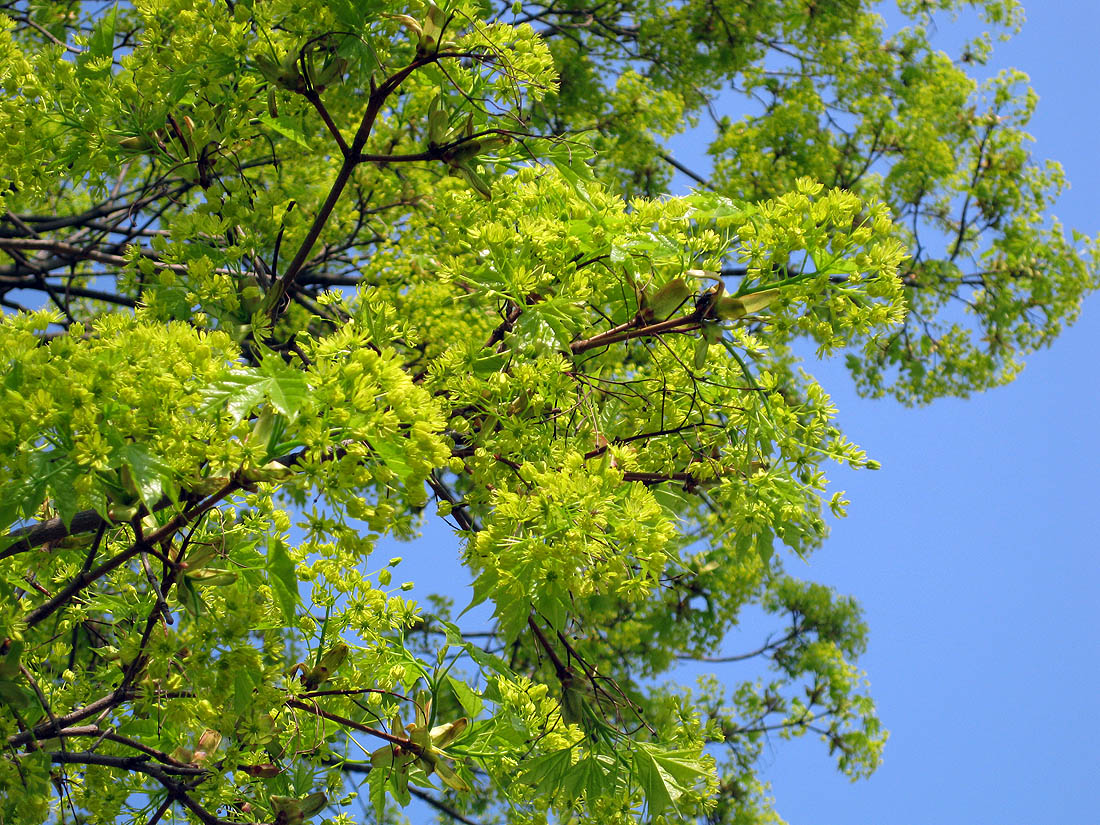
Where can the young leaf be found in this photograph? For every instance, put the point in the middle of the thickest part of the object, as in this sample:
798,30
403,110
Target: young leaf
152,478
283,578
669,298
733,307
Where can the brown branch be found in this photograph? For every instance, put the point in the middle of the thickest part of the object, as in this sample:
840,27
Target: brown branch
86,578
687,479
277,298
66,249
560,668
67,290
505,326
46,730
171,765
314,97
316,710
140,764
42,30
69,252
675,164
682,323
54,529
47,223
458,509
598,451
768,645
430,154
127,763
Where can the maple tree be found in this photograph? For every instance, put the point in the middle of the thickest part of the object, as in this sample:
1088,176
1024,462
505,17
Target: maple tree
281,279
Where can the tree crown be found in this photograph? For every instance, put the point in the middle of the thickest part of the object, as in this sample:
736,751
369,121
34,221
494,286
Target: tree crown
280,276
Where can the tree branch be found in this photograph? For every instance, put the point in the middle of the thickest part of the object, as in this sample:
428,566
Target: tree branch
675,164
140,764
85,578
277,298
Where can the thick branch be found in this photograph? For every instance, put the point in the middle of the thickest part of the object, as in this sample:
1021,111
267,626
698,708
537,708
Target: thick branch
140,764
316,710
277,300
86,521
604,339
86,578
47,730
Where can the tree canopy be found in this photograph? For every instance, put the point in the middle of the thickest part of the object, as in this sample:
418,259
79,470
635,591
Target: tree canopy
283,279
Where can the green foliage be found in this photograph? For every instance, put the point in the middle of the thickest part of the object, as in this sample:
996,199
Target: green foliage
300,270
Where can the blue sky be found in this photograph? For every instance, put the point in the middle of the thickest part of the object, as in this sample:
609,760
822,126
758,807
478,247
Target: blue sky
972,549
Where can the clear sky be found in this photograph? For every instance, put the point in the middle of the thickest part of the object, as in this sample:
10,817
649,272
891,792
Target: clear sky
972,550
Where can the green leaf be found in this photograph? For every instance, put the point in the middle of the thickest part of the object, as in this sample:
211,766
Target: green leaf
470,701
392,453
489,364
589,778
288,127
548,773
63,492
702,350
15,695
102,40
245,389
153,478
377,781
21,500
283,578
666,775
244,680
239,392
660,789
10,661
189,596
570,159
286,387
651,245
685,765
488,661
722,210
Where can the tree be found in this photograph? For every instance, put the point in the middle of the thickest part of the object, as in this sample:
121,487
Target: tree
282,276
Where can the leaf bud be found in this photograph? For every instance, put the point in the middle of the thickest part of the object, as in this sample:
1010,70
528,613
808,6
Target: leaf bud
213,578
731,308
209,740
262,771
669,298
410,23
138,143
475,180
334,657
122,513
